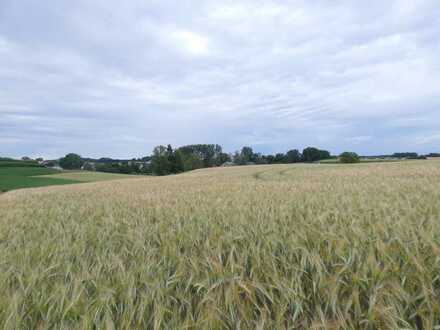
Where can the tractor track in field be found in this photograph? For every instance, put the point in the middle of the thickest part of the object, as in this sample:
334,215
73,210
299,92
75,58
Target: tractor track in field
281,173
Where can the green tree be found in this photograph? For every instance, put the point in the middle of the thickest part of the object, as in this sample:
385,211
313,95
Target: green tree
311,154
349,157
293,156
172,160
270,159
280,158
222,158
208,153
246,155
259,158
192,162
324,154
160,164
237,159
179,158
71,162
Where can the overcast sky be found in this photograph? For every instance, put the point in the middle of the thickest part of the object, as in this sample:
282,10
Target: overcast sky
116,78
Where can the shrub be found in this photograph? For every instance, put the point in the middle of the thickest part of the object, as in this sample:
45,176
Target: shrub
71,162
349,158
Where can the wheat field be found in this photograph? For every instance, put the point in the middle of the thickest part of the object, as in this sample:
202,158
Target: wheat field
254,247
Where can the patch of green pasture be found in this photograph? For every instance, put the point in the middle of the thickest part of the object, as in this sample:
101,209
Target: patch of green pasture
86,176
26,171
19,163
28,177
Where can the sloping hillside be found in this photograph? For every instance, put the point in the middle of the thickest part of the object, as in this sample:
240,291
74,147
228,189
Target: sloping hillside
288,246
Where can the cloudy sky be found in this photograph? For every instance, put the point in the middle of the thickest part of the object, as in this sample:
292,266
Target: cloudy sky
116,78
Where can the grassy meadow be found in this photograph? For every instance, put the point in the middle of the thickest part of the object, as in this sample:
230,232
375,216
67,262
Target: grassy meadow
254,247
86,176
16,177
21,175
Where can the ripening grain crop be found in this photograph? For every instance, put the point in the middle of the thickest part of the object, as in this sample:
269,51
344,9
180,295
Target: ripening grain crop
257,247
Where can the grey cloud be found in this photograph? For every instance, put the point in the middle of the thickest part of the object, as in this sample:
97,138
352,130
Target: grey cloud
117,78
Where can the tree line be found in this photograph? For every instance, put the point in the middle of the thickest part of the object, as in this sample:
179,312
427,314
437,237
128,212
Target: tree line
167,160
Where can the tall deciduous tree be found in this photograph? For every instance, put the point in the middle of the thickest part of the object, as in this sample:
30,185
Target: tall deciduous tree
247,154
71,162
293,156
311,154
349,157
160,163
